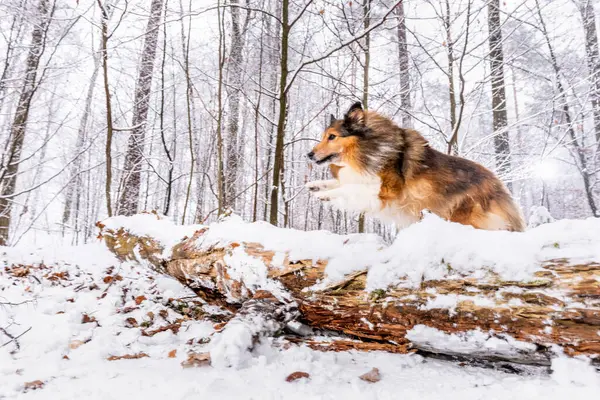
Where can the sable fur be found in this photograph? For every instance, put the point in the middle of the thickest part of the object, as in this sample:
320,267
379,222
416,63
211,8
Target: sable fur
411,175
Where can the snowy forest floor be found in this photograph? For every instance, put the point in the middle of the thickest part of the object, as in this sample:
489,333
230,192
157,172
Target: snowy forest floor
70,309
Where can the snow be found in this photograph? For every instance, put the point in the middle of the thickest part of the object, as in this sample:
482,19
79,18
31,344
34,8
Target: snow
48,312
430,249
436,249
471,342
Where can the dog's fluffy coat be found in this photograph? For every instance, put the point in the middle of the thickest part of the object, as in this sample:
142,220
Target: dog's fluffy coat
392,173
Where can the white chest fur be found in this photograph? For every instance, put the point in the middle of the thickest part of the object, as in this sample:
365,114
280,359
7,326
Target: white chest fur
359,192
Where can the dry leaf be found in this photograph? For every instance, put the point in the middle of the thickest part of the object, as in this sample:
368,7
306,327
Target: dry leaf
127,310
172,327
20,272
173,353
128,357
75,344
107,279
140,299
66,357
163,313
196,360
297,375
131,322
34,385
57,276
86,319
371,376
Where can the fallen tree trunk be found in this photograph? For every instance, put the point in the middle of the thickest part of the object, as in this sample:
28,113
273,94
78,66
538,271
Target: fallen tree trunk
478,316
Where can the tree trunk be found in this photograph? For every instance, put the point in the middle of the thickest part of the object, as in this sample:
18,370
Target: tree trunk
131,180
75,181
453,142
109,120
517,322
404,70
279,155
562,95
586,8
10,170
234,75
365,95
220,167
500,119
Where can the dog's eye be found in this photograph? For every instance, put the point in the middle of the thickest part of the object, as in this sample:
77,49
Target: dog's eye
331,137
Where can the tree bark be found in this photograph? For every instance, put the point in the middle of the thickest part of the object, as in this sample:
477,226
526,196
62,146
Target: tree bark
391,319
131,180
586,8
109,120
10,169
499,114
279,155
234,89
453,142
404,70
580,155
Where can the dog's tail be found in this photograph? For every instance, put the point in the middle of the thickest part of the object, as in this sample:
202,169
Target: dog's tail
512,214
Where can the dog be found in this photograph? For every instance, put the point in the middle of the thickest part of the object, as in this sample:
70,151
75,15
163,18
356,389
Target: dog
394,174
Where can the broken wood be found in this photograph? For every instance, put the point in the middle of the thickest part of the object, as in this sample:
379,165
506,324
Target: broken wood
492,320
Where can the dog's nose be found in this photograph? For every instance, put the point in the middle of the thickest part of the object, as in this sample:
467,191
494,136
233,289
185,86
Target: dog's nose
311,155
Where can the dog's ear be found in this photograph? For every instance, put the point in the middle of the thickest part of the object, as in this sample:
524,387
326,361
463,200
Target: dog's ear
332,119
355,114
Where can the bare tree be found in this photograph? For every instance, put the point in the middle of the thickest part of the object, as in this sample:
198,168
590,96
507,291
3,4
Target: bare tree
500,119
10,167
234,90
586,8
131,179
104,9
404,70
580,155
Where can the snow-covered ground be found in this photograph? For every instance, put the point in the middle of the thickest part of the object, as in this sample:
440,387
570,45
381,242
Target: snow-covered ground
70,309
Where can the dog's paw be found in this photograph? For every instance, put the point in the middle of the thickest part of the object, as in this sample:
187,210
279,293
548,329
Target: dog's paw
318,186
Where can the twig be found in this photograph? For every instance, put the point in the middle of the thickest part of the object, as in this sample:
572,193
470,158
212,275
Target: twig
13,338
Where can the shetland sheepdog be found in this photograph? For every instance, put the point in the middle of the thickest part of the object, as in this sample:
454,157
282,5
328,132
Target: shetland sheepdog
392,173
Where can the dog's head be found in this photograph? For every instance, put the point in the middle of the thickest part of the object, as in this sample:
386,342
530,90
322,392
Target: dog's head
340,140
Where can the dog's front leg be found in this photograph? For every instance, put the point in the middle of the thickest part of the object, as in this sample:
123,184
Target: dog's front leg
352,197
318,186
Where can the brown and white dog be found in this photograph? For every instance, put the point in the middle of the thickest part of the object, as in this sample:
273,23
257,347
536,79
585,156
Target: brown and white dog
392,173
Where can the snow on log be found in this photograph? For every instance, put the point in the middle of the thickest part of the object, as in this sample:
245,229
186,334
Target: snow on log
441,288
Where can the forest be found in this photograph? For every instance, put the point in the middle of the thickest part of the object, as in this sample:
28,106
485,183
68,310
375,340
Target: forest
196,109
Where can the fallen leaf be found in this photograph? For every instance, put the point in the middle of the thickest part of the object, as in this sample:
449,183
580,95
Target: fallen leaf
107,279
128,357
71,300
140,299
66,357
172,327
34,385
297,375
196,360
20,272
75,344
57,276
127,310
371,376
131,322
150,315
173,353
163,313
86,319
